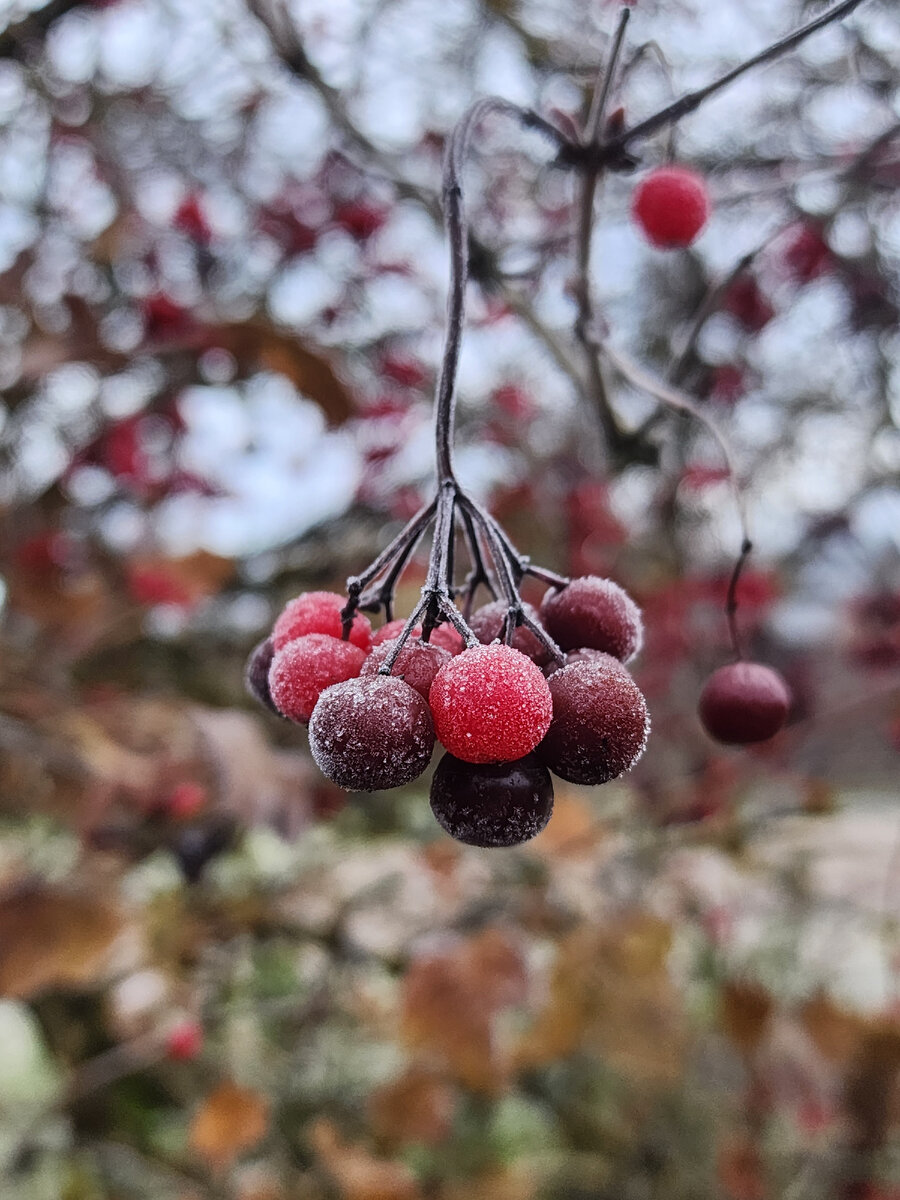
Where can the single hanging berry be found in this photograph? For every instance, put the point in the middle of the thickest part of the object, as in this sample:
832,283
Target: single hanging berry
490,704
671,205
744,702
491,804
372,733
594,614
600,723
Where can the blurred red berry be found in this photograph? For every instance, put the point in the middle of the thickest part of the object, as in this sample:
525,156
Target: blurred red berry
671,205
186,800
185,1041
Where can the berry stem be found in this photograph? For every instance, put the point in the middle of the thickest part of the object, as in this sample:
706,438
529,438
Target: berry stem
614,152
731,601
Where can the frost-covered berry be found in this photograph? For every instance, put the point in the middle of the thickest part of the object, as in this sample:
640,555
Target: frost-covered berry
319,612
490,704
372,733
585,654
487,625
256,674
600,723
391,630
417,663
305,667
596,614
448,639
671,205
491,804
744,702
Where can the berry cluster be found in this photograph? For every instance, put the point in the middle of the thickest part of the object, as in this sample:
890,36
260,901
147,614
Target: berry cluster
507,712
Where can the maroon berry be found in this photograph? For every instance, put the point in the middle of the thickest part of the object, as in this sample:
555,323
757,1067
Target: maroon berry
256,674
373,733
391,630
417,663
584,655
600,723
319,612
671,205
305,667
595,614
487,625
491,804
744,702
490,704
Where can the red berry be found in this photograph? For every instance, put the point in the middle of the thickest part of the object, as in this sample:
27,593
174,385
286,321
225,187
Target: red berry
448,639
306,667
372,733
186,800
744,702
417,663
319,612
256,674
600,723
391,630
185,1041
487,623
583,655
490,704
671,206
596,614
491,804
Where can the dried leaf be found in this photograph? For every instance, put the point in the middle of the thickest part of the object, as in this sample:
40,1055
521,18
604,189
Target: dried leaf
744,1013
416,1107
53,938
574,830
231,1120
358,1174
611,993
449,1004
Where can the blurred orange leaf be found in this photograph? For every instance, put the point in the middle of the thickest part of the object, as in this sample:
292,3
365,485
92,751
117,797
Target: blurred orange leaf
416,1107
449,1002
610,992
231,1120
52,938
358,1174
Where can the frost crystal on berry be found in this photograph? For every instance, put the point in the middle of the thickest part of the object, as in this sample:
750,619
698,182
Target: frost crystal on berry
417,663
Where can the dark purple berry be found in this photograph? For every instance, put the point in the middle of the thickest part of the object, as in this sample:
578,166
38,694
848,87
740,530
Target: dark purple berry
491,804
487,624
600,723
256,674
596,614
371,733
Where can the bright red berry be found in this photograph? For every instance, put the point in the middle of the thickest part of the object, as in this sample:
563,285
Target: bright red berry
596,614
744,702
490,704
319,612
185,1041
491,804
487,624
671,205
600,723
417,663
372,733
306,667
186,800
